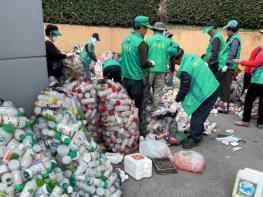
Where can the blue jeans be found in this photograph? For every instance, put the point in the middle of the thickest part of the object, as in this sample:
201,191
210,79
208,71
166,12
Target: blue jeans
86,69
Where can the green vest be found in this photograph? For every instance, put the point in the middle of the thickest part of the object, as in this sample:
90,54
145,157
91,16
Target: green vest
203,82
257,75
209,52
157,52
84,55
131,67
224,52
110,62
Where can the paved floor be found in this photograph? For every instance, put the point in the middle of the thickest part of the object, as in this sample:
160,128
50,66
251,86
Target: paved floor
222,165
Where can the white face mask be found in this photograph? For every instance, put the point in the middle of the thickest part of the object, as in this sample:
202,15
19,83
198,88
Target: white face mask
55,38
94,41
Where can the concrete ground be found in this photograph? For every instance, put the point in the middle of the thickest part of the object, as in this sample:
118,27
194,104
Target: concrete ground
222,165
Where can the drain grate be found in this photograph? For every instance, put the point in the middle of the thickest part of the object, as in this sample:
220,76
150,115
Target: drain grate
164,166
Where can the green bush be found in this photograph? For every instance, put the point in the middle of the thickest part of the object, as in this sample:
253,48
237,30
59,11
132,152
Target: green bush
98,12
188,12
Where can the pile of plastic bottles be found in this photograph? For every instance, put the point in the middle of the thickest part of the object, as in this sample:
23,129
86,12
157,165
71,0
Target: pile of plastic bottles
237,93
73,66
97,66
74,149
85,91
118,116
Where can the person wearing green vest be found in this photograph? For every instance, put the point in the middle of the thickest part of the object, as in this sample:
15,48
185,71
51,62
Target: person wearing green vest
216,43
134,60
155,77
230,51
255,90
88,55
198,91
112,69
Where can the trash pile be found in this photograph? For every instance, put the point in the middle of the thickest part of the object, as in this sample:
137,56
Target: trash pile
232,140
241,99
170,122
85,91
97,66
118,116
80,159
73,66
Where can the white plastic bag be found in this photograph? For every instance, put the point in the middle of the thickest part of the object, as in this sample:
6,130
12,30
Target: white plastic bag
154,149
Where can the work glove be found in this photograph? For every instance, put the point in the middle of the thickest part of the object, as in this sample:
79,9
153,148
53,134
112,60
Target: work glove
69,55
224,69
153,63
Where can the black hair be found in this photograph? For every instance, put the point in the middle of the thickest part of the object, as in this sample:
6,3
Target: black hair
50,28
156,30
233,29
137,26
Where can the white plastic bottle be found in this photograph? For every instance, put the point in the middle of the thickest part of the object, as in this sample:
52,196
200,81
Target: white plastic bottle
17,180
57,191
9,111
29,189
27,158
20,134
6,133
16,121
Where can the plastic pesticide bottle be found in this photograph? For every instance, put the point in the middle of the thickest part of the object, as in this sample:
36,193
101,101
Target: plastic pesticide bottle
3,168
64,184
100,191
47,99
52,115
8,111
57,191
95,163
122,108
62,150
16,121
20,134
55,94
87,101
104,93
27,158
6,133
13,165
29,189
90,189
33,170
18,183
7,178
77,140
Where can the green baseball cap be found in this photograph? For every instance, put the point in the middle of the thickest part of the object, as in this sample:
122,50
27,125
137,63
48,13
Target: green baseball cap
173,51
56,32
143,20
208,28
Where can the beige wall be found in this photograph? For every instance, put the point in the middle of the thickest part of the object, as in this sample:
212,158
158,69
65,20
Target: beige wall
192,40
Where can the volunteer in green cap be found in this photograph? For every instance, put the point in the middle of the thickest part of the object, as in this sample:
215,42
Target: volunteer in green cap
54,56
216,43
155,77
112,69
198,91
230,51
88,55
134,60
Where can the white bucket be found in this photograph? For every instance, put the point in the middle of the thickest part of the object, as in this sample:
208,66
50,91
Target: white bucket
249,183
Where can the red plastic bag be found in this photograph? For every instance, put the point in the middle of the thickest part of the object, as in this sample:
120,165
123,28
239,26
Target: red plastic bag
189,161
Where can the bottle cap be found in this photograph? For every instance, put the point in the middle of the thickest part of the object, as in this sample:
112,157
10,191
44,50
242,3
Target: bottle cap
8,128
22,137
19,187
73,154
19,113
66,140
57,135
66,160
86,157
28,123
13,164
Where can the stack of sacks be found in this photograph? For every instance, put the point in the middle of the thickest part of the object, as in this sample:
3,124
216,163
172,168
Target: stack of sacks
118,116
76,152
73,66
84,90
26,167
97,66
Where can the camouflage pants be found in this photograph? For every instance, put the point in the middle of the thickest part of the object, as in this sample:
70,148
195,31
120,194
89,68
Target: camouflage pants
155,82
